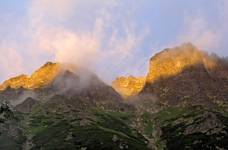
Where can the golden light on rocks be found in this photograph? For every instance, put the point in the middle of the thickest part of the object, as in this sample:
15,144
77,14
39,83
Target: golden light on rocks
168,63
171,62
40,78
128,86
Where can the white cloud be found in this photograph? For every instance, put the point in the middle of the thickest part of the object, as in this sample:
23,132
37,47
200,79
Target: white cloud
60,9
11,62
207,33
80,49
110,39
198,32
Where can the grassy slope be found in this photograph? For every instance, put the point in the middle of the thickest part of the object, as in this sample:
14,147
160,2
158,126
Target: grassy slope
193,128
172,128
101,130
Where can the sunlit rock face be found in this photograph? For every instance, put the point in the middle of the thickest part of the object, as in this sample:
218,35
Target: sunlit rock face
171,62
185,75
129,86
179,75
15,82
40,78
68,81
168,63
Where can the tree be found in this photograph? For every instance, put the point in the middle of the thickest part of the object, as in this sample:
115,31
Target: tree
5,112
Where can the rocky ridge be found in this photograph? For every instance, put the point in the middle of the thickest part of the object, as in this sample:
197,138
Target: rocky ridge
129,86
179,75
40,78
173,61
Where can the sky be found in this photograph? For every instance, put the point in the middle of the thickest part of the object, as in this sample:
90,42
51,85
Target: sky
110,37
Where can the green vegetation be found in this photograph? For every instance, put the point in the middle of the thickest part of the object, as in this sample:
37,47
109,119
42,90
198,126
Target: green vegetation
8,143
148,124
172,128
11,137
101,130
5,113
193,128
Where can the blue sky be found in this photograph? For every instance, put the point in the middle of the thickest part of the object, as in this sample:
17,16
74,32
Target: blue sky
110,37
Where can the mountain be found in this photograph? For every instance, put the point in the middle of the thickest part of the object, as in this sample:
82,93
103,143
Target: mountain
183,75
54,79
180,104
183,101
66,107
186,75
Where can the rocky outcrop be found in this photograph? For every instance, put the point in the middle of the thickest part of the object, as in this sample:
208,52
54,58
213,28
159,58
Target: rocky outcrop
186,75
180,75
173,61
129,86
40,78
192,128
26,106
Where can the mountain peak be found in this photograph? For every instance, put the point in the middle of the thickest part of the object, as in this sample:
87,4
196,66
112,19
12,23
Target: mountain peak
173,61
40,78
167,63
129,86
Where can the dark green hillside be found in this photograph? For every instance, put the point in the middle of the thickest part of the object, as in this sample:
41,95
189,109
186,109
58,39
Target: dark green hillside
193,128
11,136
98,130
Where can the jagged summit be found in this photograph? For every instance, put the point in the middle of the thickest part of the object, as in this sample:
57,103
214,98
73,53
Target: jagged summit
40,78
171,63
54,80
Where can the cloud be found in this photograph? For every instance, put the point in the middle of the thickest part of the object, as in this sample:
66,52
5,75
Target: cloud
207,33
60,9
198,32
109,40
80,49
11,62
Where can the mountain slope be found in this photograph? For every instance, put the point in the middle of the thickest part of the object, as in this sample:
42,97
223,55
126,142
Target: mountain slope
186,75
183,102
182,75
192,128
53,80
71,109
